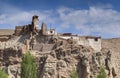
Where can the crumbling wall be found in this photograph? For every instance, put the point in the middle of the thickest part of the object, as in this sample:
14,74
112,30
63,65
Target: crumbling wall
44,29
95,44
43,47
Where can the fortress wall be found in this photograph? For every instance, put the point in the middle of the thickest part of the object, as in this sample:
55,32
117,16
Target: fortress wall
18,30
83,41
52,32
65,37
43,47
95,44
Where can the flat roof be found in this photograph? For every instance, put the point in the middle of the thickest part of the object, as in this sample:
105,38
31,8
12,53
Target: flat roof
90,36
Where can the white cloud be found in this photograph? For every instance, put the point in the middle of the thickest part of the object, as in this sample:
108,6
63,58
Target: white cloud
102,5
103,21
12,15
24,17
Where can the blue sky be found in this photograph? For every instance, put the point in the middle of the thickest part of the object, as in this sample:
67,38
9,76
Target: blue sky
83,17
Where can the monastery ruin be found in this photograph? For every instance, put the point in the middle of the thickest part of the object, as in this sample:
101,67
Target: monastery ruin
57,54
33,30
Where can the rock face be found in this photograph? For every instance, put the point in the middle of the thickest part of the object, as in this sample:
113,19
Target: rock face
60,60
10,61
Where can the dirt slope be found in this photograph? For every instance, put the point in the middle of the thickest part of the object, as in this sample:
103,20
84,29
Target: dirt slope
113,44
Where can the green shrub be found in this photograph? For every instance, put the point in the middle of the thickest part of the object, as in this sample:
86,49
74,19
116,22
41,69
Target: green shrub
3,74
74,74
28,66
102,73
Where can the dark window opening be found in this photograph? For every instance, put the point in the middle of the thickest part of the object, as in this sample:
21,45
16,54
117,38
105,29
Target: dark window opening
96,39
51,31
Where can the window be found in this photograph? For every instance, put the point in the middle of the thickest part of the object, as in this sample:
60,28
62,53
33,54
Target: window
96,39
51,32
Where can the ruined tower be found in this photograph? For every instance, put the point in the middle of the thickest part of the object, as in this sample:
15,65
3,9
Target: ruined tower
30,28
44,29
35,22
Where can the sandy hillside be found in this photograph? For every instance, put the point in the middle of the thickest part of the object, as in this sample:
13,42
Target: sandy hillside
113,44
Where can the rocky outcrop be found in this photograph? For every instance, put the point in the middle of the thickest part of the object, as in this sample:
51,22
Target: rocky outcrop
10,59
62,60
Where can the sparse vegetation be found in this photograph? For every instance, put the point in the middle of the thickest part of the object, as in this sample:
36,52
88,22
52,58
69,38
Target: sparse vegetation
3,74
102,73
28,66
74,74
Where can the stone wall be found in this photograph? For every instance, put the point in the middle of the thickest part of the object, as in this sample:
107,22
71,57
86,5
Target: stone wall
18,30
43,47
83,41
95,44
22,30
52,32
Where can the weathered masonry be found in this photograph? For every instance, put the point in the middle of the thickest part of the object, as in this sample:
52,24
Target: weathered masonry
45,33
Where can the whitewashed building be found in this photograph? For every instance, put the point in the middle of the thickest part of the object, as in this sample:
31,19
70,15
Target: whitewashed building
94,42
